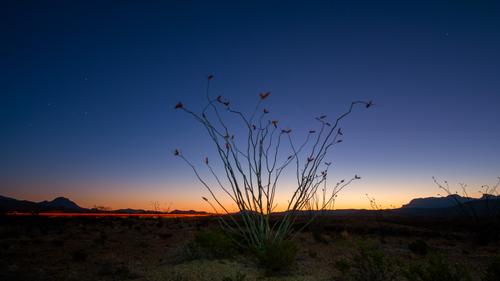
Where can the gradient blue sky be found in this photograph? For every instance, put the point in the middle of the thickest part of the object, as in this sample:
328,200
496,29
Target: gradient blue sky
88,88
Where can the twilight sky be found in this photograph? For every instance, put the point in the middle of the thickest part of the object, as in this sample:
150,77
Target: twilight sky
88,89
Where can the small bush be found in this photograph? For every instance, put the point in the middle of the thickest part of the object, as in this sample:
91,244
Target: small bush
312,254
79,256
277,256
345,235
318,233
211,245
238,277
165,235
370,264
419,247
435,268
120,272
493,271
343,266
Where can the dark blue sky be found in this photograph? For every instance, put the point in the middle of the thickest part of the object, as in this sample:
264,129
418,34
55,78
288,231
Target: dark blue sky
88,88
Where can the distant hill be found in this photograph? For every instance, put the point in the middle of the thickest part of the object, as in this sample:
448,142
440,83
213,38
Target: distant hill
58,204
62,204
129,211
11,204
487,205
190,212
437,202
430,206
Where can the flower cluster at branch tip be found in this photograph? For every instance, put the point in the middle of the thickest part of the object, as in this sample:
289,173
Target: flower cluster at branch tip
220,100
177,152
179,105
264,95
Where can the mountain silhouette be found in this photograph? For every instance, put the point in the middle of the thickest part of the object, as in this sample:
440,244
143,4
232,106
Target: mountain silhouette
438,202
189,212
60,203
452,205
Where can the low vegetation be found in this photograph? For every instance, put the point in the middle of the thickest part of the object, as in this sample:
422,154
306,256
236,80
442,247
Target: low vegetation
194,249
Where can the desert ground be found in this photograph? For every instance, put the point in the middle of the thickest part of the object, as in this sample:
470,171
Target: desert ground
193,248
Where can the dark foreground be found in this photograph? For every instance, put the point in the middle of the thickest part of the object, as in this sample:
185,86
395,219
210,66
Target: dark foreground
334,248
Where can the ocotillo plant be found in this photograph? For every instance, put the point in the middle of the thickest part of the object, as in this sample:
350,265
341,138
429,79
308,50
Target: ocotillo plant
486,216
253,165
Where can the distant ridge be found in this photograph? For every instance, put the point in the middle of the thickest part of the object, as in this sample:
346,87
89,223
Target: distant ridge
430,206
59,204
62,204
190,212
438,202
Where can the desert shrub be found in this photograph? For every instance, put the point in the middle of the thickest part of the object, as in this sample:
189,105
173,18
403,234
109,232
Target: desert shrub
57,242
122,272
211,244
371,264
79,256
418,247
493,271
119,272
165,235
312,254
318,233
159,222
343,266
11,232
237,277
435,268
277,256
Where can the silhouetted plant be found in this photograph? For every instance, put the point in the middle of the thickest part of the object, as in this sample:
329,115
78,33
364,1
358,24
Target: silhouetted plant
253,165
485,216
277,256
435,268
318,233
493,271
418,247
343,266
79,256
371,264
210,244
237,277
